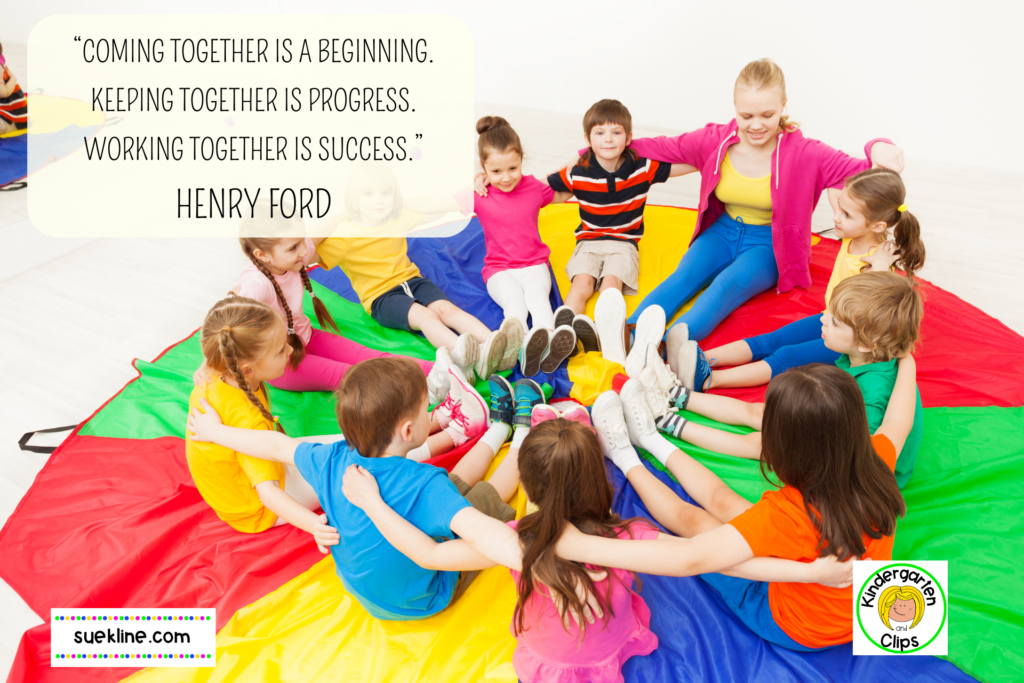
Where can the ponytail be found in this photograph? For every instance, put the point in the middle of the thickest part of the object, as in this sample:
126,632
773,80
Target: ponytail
907,236
323,316
249,245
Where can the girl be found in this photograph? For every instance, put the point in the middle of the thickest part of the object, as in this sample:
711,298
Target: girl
760,181
244,345
516,264
370,246
279,252
562,471
872,203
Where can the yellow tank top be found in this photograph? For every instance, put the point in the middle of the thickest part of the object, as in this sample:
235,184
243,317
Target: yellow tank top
746,198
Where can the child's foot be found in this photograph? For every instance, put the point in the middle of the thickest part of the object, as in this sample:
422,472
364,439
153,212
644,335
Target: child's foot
465,354
502,404
678,335
514,333
562,343
542,413
564,316
694,369
490,354
610,315
612,434
657,400
672,424
667,379
534,346
679,397
437,380
467,412
639,421
527,395
586,333
650,328
578,414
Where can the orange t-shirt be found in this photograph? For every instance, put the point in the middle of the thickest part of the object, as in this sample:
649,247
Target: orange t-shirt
777,526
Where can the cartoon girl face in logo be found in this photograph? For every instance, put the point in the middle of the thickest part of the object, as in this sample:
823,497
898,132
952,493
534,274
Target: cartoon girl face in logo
901,604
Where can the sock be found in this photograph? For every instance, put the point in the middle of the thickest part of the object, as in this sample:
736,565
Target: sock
672,423
679,397
419,454
625,458
519,436
658,446
496,435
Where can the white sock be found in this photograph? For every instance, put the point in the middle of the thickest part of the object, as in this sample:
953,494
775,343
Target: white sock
419,454
625,458
496,435
658,446
519,436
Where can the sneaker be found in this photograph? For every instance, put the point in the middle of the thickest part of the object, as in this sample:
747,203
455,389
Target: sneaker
578,414
528,394
490,355
564,316
467,411
534,346
650,328
586,333
672,424
610,315
694,368
437,379
667,379
502,404
542,413
514,333
677,337
609,423
657,400
639,422
563,341
465,354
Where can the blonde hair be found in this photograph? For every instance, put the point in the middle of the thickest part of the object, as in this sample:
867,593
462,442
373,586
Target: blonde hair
893,593
762,74
883,309
496,135
371,175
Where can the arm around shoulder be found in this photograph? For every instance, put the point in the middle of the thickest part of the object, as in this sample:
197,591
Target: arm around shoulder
899,415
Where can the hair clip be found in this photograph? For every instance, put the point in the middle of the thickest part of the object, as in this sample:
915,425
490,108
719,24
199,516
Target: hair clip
291,331
901,208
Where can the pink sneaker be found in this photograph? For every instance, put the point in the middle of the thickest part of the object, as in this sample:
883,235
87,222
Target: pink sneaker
578,414
467,414
542,413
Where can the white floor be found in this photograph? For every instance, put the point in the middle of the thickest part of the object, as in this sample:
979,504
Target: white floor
75,313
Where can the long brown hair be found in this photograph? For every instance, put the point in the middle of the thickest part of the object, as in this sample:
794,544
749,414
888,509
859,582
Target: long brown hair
562,470
815,438
235,331
496,135
881,193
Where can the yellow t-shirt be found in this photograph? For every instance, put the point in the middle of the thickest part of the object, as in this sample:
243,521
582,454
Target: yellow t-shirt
227,479
746,198
845,266
375,259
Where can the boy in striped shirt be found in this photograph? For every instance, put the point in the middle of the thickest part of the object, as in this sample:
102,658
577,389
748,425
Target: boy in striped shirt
13,106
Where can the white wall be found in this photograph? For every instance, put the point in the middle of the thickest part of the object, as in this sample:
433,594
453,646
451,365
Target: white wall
941,79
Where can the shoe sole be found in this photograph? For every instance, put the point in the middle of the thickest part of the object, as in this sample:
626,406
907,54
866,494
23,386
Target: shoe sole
650,329
561,344
674,341
466,354
494,415
528,383
491,357
610,315
586,334
688,364
536,343
564,316
514,334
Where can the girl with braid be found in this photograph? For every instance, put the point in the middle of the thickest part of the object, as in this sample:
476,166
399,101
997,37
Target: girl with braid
245,344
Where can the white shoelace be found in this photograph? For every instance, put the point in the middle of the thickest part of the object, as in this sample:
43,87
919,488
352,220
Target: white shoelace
639,416
657,401
616,429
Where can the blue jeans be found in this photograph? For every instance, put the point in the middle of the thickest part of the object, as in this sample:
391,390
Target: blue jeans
735,258
795,344
748,600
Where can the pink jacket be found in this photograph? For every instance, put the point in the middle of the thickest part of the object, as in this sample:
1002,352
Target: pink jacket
801,170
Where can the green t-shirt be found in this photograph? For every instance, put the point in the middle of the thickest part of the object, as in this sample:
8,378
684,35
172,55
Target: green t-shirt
876,381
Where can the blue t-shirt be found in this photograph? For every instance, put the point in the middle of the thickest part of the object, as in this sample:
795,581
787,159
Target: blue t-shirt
386,582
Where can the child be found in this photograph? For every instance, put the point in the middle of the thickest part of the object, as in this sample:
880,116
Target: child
875,321
516,264
382,410
370,246
563,473
244,345
872,203
13,104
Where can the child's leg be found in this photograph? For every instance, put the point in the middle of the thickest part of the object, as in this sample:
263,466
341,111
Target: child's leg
506,288
580,291
473,465
537,291
505,479
733,353
790,346
429,323
740,445
610,282
705,487
459,320
725,409
667,508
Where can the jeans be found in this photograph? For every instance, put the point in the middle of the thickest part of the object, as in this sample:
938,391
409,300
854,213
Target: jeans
795,344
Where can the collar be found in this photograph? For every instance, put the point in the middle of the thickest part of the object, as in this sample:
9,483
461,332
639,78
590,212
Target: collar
881,366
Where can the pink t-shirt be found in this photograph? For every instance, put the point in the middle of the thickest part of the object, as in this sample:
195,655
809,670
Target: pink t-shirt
509,220
255,285
545,652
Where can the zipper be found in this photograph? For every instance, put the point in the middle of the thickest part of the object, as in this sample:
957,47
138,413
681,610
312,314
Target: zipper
778,153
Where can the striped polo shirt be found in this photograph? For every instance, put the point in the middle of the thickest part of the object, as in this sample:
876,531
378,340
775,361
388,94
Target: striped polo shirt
14,107
611,204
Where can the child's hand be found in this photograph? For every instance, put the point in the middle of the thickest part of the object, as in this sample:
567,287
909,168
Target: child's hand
887,155
359,487
480,184
883,258
325,535
202,375
591,605
833,573
203,421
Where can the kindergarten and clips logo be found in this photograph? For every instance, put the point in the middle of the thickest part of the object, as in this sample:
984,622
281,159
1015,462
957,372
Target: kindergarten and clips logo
900,608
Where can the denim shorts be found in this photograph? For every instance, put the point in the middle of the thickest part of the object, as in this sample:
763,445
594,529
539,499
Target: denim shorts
391,309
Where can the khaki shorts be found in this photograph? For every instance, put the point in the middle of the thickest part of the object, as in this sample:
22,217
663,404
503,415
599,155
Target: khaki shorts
598,258
484,498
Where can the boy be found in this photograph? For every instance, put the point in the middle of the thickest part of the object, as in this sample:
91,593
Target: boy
13,105
382,410
611,185
874,320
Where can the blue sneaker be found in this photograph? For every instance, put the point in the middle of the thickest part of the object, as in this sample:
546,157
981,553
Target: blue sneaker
694,368
527,394
502,406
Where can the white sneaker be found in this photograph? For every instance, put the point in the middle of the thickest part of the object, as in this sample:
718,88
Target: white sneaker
514,334
609,423
650,328
490,355
437,380
610,317
677,337
466,354
639,422
657,400
666,378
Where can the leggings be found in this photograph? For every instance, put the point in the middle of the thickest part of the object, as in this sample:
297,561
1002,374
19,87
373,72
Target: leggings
524,290
733,260
795,344
328,358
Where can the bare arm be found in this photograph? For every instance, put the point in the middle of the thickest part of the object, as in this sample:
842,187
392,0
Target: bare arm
204,424
681,169
287,508
899,415
828,571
